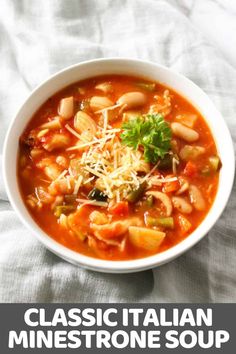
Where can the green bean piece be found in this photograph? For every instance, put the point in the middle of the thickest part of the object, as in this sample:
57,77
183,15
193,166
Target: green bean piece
137,194
64,209
167,223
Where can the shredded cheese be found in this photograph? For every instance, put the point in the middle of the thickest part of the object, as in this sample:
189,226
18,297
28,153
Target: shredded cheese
77,185
61,175
72,131
91,202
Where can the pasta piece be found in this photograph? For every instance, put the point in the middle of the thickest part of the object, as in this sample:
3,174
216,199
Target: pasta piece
83,123
166,201
66,107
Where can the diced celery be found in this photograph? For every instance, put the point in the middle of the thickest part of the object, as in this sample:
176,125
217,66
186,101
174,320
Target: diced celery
137,194
150,201
146,86
64,209
215,162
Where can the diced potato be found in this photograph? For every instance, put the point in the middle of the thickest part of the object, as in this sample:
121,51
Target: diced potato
148,239
56,141
66,107
188,119
189,152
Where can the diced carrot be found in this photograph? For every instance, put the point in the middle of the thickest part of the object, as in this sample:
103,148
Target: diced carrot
171,186
184,223
121,208
190,169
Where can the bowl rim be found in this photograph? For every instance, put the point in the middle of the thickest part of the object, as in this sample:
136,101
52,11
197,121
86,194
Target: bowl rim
126,266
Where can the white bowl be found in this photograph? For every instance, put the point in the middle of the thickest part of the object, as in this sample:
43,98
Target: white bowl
130,67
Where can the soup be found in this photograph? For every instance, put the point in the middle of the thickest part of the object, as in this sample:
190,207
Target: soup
118,167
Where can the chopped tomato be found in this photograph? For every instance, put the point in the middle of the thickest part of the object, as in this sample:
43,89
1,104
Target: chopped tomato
190,169
121,208
171,186
184,223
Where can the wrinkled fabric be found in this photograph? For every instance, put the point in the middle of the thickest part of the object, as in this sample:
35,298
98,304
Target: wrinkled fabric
195,38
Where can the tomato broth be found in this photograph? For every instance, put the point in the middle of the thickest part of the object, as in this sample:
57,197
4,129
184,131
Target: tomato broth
118,167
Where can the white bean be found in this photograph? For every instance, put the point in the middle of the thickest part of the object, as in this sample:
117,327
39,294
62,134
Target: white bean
132,99
196,198
184,133
182,205
164,199
100,102
66,107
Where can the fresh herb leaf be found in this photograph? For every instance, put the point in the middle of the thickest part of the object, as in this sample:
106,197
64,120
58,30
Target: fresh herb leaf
150,132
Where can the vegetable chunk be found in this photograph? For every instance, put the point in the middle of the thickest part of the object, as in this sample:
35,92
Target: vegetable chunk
148,239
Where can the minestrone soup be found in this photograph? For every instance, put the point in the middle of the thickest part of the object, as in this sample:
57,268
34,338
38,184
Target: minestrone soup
118,168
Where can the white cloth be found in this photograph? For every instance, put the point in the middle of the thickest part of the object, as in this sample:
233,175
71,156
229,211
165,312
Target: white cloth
38,38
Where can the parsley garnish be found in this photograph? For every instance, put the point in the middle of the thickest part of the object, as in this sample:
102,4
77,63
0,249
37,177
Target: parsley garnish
150,132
